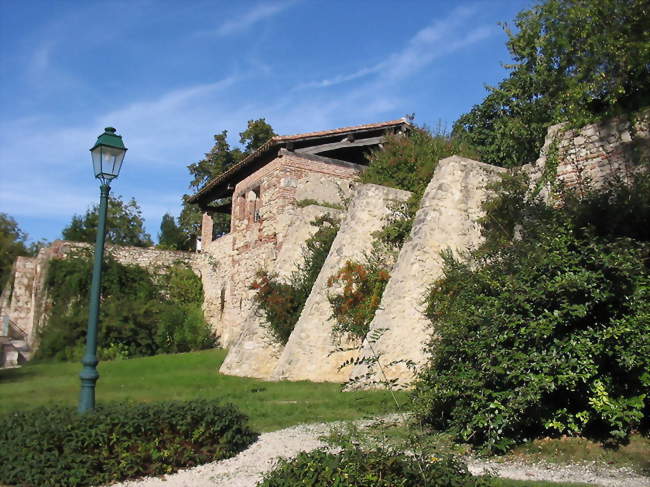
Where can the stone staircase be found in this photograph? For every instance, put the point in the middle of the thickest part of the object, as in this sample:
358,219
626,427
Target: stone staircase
14,349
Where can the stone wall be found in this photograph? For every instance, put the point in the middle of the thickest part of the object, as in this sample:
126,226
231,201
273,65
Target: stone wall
308,354
24,297
590,155
446,220
266,227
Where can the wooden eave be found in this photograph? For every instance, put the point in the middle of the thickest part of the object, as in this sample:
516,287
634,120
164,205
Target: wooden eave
223,185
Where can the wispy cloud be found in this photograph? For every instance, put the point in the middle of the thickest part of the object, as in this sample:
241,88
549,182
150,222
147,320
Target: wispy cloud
440,38
257,14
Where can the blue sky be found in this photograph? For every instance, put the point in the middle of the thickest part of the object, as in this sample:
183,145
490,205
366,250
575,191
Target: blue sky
169,75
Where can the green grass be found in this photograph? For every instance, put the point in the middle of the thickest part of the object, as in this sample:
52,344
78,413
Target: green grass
269,405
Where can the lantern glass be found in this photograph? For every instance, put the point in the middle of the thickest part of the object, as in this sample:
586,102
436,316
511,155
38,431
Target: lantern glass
108,154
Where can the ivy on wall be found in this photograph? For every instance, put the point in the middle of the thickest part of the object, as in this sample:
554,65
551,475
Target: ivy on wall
141,313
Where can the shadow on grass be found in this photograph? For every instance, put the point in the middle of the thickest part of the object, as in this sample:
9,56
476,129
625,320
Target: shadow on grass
15,374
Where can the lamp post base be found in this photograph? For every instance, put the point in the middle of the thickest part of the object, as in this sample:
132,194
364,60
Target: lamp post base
89,376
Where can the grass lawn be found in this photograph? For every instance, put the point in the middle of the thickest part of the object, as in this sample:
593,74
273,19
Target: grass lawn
269,405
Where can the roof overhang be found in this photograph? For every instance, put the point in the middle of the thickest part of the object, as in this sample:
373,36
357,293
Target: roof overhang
310,143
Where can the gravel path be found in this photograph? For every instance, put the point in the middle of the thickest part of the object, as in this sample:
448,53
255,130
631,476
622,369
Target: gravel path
246,469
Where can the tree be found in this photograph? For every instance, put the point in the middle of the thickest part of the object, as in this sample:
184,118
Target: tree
216,162
12,245
171,236
124,224
574,60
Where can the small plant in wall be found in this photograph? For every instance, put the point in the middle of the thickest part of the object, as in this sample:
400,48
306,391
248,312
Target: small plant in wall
360,289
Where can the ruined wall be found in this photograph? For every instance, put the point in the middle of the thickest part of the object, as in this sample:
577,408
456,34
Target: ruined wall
265,219
446,220
590,155
24,298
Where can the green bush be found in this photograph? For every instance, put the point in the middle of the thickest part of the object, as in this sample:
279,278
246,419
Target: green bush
56,446
281,303
141,314
408,163
355,467
546,330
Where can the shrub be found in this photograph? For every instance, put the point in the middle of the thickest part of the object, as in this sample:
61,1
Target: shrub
140,314
408,163
354,467
354,308
548,333
281,303
56,446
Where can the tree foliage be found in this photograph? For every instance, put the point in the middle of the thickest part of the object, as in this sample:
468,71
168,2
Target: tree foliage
220,157
171,236
124,224
545,331
12,245
574,60
141,314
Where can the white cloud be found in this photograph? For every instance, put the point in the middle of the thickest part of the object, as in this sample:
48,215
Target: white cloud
258,13
440,38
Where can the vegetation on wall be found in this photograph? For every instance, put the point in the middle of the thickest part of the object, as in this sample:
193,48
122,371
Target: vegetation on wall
408,163
553,314
281,302
574,61
141,314
361,287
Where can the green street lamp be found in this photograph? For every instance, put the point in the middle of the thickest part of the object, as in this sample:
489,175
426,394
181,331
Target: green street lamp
108,154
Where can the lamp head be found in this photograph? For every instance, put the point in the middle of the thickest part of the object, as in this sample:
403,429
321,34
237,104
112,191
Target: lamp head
108,154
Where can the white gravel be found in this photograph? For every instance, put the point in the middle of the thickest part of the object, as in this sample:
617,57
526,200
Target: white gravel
247,468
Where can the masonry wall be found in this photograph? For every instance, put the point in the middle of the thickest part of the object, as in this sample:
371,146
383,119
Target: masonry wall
590,155
264,219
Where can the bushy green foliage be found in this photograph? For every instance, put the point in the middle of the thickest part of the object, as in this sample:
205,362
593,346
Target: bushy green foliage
57,446
546,330
408,162
356,467
140,314
124,224
573,61
171,236
281,302
12,245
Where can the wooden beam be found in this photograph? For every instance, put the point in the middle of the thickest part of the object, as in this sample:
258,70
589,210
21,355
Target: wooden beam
316,149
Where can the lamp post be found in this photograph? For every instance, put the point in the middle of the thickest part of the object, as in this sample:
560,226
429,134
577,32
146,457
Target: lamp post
108,154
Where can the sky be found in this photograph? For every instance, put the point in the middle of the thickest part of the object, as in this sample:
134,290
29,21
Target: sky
171,74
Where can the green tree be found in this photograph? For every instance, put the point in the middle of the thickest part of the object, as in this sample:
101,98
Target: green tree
124,224
220,157
574,60
12,245
171,236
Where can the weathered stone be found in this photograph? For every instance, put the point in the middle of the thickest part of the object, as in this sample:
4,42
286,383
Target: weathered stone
254,353
308,354
447,219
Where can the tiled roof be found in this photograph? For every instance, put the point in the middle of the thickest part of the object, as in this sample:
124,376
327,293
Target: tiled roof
280,139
